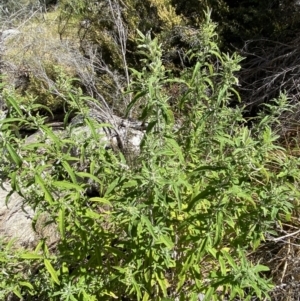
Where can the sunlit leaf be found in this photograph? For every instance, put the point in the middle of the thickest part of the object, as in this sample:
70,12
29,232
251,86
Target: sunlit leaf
100,200
51,271
111,187
15,157
31,256
66,185
166,240
15,105
149,226
70,171
61,222
48,196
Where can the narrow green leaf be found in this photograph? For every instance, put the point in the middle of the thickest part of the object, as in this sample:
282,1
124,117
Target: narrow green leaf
92,214
219,226
217,54
15,157
12,120
66,185
17,292
195,72
51,271
260,268
177,80
229,259
67,116
168,116
146,297
27,284
15,105
172,143
48,196
87,175
31,256
114,251
212,251
35,146
92,167
61,222
100,200
10,243
51,135
236,93
203,246
209,294
40,106
45,250
187,264
39,246
162,283
222,94
222,265
210,68
111,187
70,171
136,97
142,36
149,226
210,83
91,124
14,186
111,294
166,240
131,183
181,282
137,288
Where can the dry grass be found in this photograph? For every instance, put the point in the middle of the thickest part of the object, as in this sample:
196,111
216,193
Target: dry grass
39,49
270,67
37,45
282,255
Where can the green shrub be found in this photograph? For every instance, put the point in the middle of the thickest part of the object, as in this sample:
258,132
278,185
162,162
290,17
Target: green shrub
205,191
12,265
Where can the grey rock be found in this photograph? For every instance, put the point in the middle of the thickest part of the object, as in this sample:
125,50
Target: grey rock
16,220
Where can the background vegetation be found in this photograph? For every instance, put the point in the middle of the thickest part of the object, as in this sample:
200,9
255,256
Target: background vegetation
215,186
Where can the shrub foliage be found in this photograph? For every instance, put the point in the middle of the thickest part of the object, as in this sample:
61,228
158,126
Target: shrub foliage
180,222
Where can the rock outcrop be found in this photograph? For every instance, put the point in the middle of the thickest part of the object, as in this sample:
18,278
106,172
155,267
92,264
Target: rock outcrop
16,222
16,218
